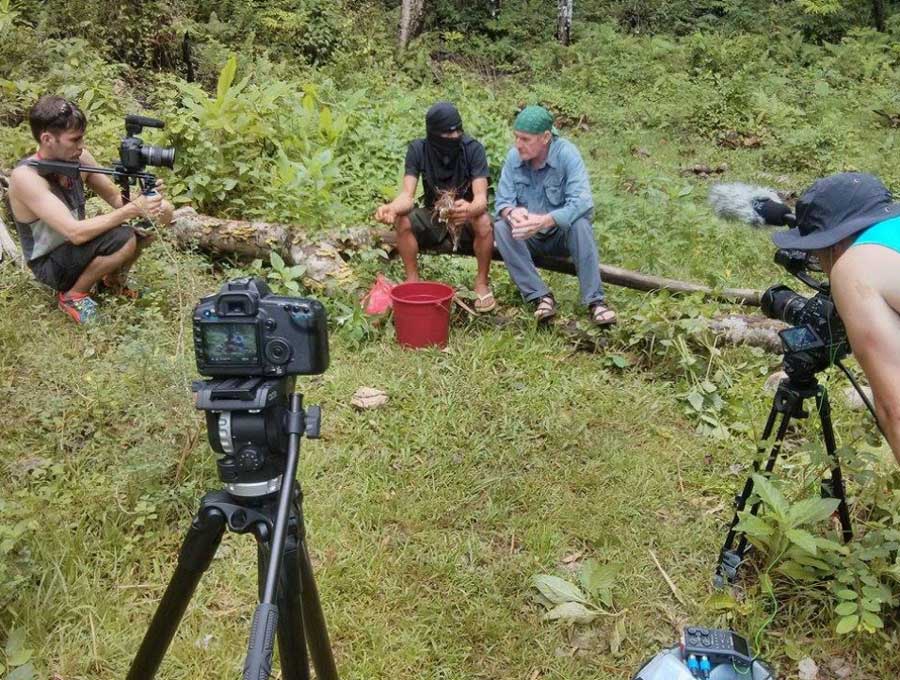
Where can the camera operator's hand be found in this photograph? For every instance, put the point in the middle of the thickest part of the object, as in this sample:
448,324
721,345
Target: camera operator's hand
147,206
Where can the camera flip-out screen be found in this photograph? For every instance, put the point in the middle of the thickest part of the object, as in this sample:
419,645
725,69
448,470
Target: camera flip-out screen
231,344
800,339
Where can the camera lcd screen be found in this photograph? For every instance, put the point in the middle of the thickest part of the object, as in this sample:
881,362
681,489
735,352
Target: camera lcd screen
231,344
800,338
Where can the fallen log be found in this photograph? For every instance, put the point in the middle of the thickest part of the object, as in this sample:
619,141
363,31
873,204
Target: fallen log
616,276
321,253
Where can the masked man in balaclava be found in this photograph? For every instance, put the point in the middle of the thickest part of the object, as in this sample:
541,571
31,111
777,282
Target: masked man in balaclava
448,161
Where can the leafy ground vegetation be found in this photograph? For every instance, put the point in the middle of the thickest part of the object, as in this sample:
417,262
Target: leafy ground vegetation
515,509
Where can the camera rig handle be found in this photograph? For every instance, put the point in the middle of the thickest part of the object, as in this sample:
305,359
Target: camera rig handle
122,177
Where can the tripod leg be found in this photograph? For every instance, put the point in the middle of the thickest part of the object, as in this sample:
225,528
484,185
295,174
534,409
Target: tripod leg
316,632
196,554
729,559
291,641
837,478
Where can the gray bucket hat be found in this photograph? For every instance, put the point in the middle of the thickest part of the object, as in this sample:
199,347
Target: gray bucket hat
836,207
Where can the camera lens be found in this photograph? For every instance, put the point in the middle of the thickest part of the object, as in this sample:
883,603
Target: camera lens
780,302
158,156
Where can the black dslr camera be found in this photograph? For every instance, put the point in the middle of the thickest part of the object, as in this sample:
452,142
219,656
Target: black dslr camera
134,155
244,330
817,338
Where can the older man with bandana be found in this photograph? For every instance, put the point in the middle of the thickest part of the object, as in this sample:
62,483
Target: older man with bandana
544,206
447,160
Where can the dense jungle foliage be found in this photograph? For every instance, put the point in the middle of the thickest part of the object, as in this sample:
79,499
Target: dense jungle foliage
510,458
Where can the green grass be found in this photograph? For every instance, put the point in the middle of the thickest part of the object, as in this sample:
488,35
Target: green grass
492,462
496,460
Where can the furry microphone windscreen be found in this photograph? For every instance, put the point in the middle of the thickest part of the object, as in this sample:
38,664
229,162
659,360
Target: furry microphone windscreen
735,201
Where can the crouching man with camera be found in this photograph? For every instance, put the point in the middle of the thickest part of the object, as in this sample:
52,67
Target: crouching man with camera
64,250
851,224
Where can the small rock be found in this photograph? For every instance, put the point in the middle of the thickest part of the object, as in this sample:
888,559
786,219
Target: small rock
854,401
840,668
368,397
807,669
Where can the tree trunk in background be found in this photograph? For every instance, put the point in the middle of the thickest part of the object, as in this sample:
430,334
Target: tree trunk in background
878,14
411,12
564,21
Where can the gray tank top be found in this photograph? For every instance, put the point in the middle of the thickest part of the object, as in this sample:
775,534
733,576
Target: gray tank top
37,237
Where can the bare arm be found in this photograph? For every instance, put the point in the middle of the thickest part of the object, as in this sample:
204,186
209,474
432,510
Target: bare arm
31,190
402,204
859,286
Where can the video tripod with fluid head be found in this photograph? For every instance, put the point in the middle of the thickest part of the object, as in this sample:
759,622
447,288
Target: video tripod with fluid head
816,341
258,343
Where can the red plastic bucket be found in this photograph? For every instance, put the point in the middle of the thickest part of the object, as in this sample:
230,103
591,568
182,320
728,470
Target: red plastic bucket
422,313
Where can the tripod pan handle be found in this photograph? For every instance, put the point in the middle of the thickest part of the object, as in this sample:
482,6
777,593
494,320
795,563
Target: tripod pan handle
258,664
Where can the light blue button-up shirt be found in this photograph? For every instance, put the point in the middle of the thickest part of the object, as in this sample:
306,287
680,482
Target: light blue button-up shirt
559,187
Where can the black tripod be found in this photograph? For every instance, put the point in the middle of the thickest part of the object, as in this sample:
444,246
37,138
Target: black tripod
249,415
788,401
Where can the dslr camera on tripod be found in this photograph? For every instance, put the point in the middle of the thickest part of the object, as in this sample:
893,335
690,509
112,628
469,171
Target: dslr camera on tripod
817,338
244,330
253,344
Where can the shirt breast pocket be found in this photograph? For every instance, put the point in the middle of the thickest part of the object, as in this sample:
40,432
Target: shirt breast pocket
522,190
554,190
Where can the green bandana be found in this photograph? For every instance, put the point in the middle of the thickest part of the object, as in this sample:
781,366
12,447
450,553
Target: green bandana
534,120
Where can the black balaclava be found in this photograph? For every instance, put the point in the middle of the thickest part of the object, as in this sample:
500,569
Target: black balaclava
444,163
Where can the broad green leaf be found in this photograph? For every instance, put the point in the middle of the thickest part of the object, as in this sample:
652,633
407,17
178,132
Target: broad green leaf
752,525
770,495
276,260
25,672
847,624
570,612
804,539
226,77
872,620
811,510
847,594
598,580
15,641
871,605
558,590
695,399
845,608
797,571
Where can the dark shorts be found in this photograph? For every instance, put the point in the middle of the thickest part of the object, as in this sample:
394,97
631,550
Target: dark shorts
61,267
430,234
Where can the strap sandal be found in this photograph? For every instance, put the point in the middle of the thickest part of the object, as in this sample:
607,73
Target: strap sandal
485,303
546,309
601,315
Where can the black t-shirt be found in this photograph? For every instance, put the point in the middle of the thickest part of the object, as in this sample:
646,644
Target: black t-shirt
474,158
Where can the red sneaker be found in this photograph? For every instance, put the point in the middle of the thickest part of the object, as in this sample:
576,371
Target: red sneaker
80,306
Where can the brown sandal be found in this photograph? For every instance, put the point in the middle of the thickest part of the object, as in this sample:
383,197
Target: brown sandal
601,315
546,309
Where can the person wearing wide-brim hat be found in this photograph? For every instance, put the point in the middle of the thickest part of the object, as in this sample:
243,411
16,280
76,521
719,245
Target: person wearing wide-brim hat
544,207
851,223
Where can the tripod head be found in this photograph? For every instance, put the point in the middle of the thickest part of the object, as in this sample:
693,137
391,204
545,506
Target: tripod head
247,423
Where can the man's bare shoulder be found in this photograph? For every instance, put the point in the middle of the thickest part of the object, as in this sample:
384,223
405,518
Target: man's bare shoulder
24,176
869,269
